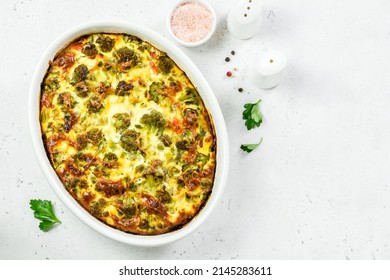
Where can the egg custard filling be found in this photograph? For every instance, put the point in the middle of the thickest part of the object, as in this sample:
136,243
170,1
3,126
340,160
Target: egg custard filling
127,133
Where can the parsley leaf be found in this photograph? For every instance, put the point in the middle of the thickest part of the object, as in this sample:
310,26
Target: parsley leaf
252,115
43,211
250,147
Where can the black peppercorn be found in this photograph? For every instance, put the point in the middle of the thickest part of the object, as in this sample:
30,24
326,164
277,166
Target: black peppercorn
227,59
240,90
233,52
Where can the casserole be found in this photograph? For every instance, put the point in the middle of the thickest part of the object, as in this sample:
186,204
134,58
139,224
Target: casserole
205,93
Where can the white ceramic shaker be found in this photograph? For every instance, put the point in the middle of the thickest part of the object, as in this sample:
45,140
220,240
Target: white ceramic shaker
269,69
244,18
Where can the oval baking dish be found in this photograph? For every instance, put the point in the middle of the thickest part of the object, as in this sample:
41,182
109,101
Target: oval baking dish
205,93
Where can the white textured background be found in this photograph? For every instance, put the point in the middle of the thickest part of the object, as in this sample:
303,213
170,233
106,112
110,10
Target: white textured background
317,188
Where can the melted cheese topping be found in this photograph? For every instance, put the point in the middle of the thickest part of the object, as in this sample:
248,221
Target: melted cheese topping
127,133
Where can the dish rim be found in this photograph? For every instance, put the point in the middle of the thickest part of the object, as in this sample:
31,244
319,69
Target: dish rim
205,92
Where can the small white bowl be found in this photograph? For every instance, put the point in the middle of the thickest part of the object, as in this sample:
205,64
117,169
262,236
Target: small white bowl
197,43
206,94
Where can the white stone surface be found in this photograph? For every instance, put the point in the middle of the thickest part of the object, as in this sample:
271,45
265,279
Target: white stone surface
317,188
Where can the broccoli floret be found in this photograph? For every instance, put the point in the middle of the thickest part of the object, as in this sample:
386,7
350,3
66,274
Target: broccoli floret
129,211
96,207
80,73
68,122
81,159
106,43
89,50
123,88
110,157
128,141
165,64
66,101
94,104
82,142
131,38
156,91
154,119
51,84
144,224
167,141
94,135
81,89
125,55
121,121
76,183
182,145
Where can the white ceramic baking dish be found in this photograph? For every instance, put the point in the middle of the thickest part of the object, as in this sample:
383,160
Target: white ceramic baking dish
205,92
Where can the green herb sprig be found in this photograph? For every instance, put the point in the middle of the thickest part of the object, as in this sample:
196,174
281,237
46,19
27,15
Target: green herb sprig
252,115
250,147
43,210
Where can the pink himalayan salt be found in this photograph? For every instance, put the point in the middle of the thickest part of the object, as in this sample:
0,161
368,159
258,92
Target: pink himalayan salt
191,22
